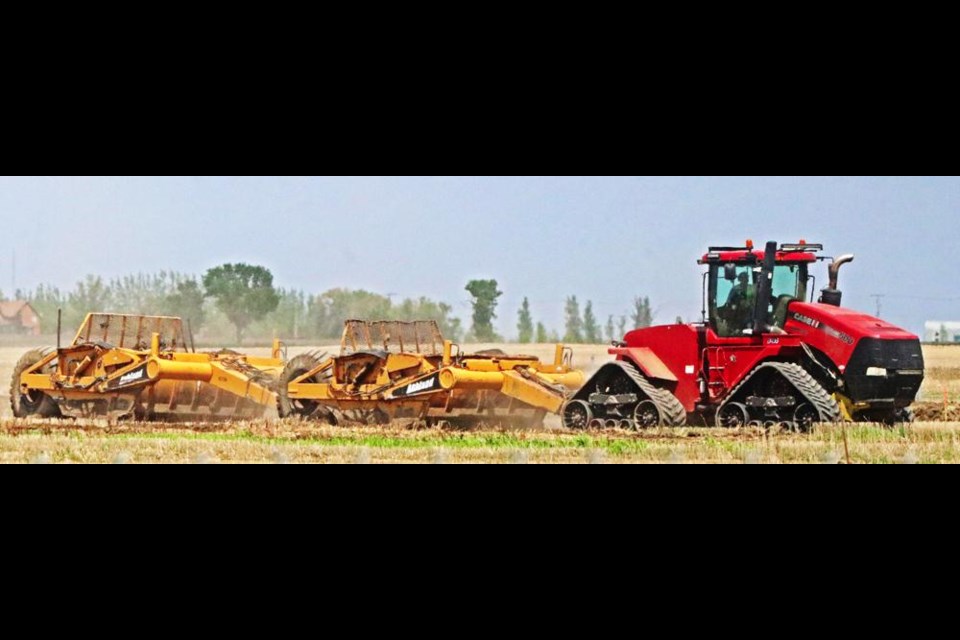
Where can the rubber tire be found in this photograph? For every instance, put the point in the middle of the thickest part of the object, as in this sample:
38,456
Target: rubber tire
741,410
646,404
22,406
807,425
294,369
578,407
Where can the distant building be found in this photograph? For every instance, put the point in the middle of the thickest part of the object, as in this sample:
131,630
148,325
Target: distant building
936,331
19,317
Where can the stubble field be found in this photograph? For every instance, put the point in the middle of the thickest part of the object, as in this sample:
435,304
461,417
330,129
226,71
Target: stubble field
935,438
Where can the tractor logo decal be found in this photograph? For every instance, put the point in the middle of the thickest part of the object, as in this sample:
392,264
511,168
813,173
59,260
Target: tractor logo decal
799,317
830,331
136,376
133,376
421,386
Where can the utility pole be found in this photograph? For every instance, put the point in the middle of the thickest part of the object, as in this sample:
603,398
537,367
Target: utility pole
878,297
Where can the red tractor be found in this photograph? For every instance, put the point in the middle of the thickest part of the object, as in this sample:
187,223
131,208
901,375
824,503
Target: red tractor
762,355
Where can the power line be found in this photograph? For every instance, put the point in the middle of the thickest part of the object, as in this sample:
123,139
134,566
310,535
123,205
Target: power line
924,298
879,297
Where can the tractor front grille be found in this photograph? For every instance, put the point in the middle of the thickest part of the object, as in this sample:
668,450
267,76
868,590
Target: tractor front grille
901,363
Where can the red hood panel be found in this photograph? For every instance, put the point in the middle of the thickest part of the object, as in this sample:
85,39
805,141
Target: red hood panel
854,324
836,331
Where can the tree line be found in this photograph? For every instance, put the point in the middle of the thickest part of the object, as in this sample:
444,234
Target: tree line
578,328
237,301
585,328
230,302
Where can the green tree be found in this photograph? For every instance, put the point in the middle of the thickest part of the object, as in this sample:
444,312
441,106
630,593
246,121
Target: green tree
574,323
591,330
452,329
642,315
525,323
186,302
610,330
542,336
485,295
166,293
426,309
244,293
91,295
288,320
328,311
140,294
622,326
46,300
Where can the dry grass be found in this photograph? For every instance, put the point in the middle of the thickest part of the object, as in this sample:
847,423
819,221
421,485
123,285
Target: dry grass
297,442
942,378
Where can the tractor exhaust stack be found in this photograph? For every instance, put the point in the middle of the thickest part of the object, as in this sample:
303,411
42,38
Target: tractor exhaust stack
832,295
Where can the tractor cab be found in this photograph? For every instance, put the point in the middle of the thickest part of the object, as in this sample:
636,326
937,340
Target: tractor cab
747,292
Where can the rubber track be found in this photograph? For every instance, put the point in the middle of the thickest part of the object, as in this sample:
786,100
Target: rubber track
803,382
670,408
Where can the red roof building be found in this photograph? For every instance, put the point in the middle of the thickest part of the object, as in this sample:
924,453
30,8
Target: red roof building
19,317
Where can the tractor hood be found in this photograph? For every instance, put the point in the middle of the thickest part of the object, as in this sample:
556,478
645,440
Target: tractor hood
845,325
881,364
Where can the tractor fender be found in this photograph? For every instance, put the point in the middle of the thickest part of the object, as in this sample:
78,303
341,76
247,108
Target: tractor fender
647,361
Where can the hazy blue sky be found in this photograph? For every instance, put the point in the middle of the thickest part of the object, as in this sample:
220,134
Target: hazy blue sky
601,238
